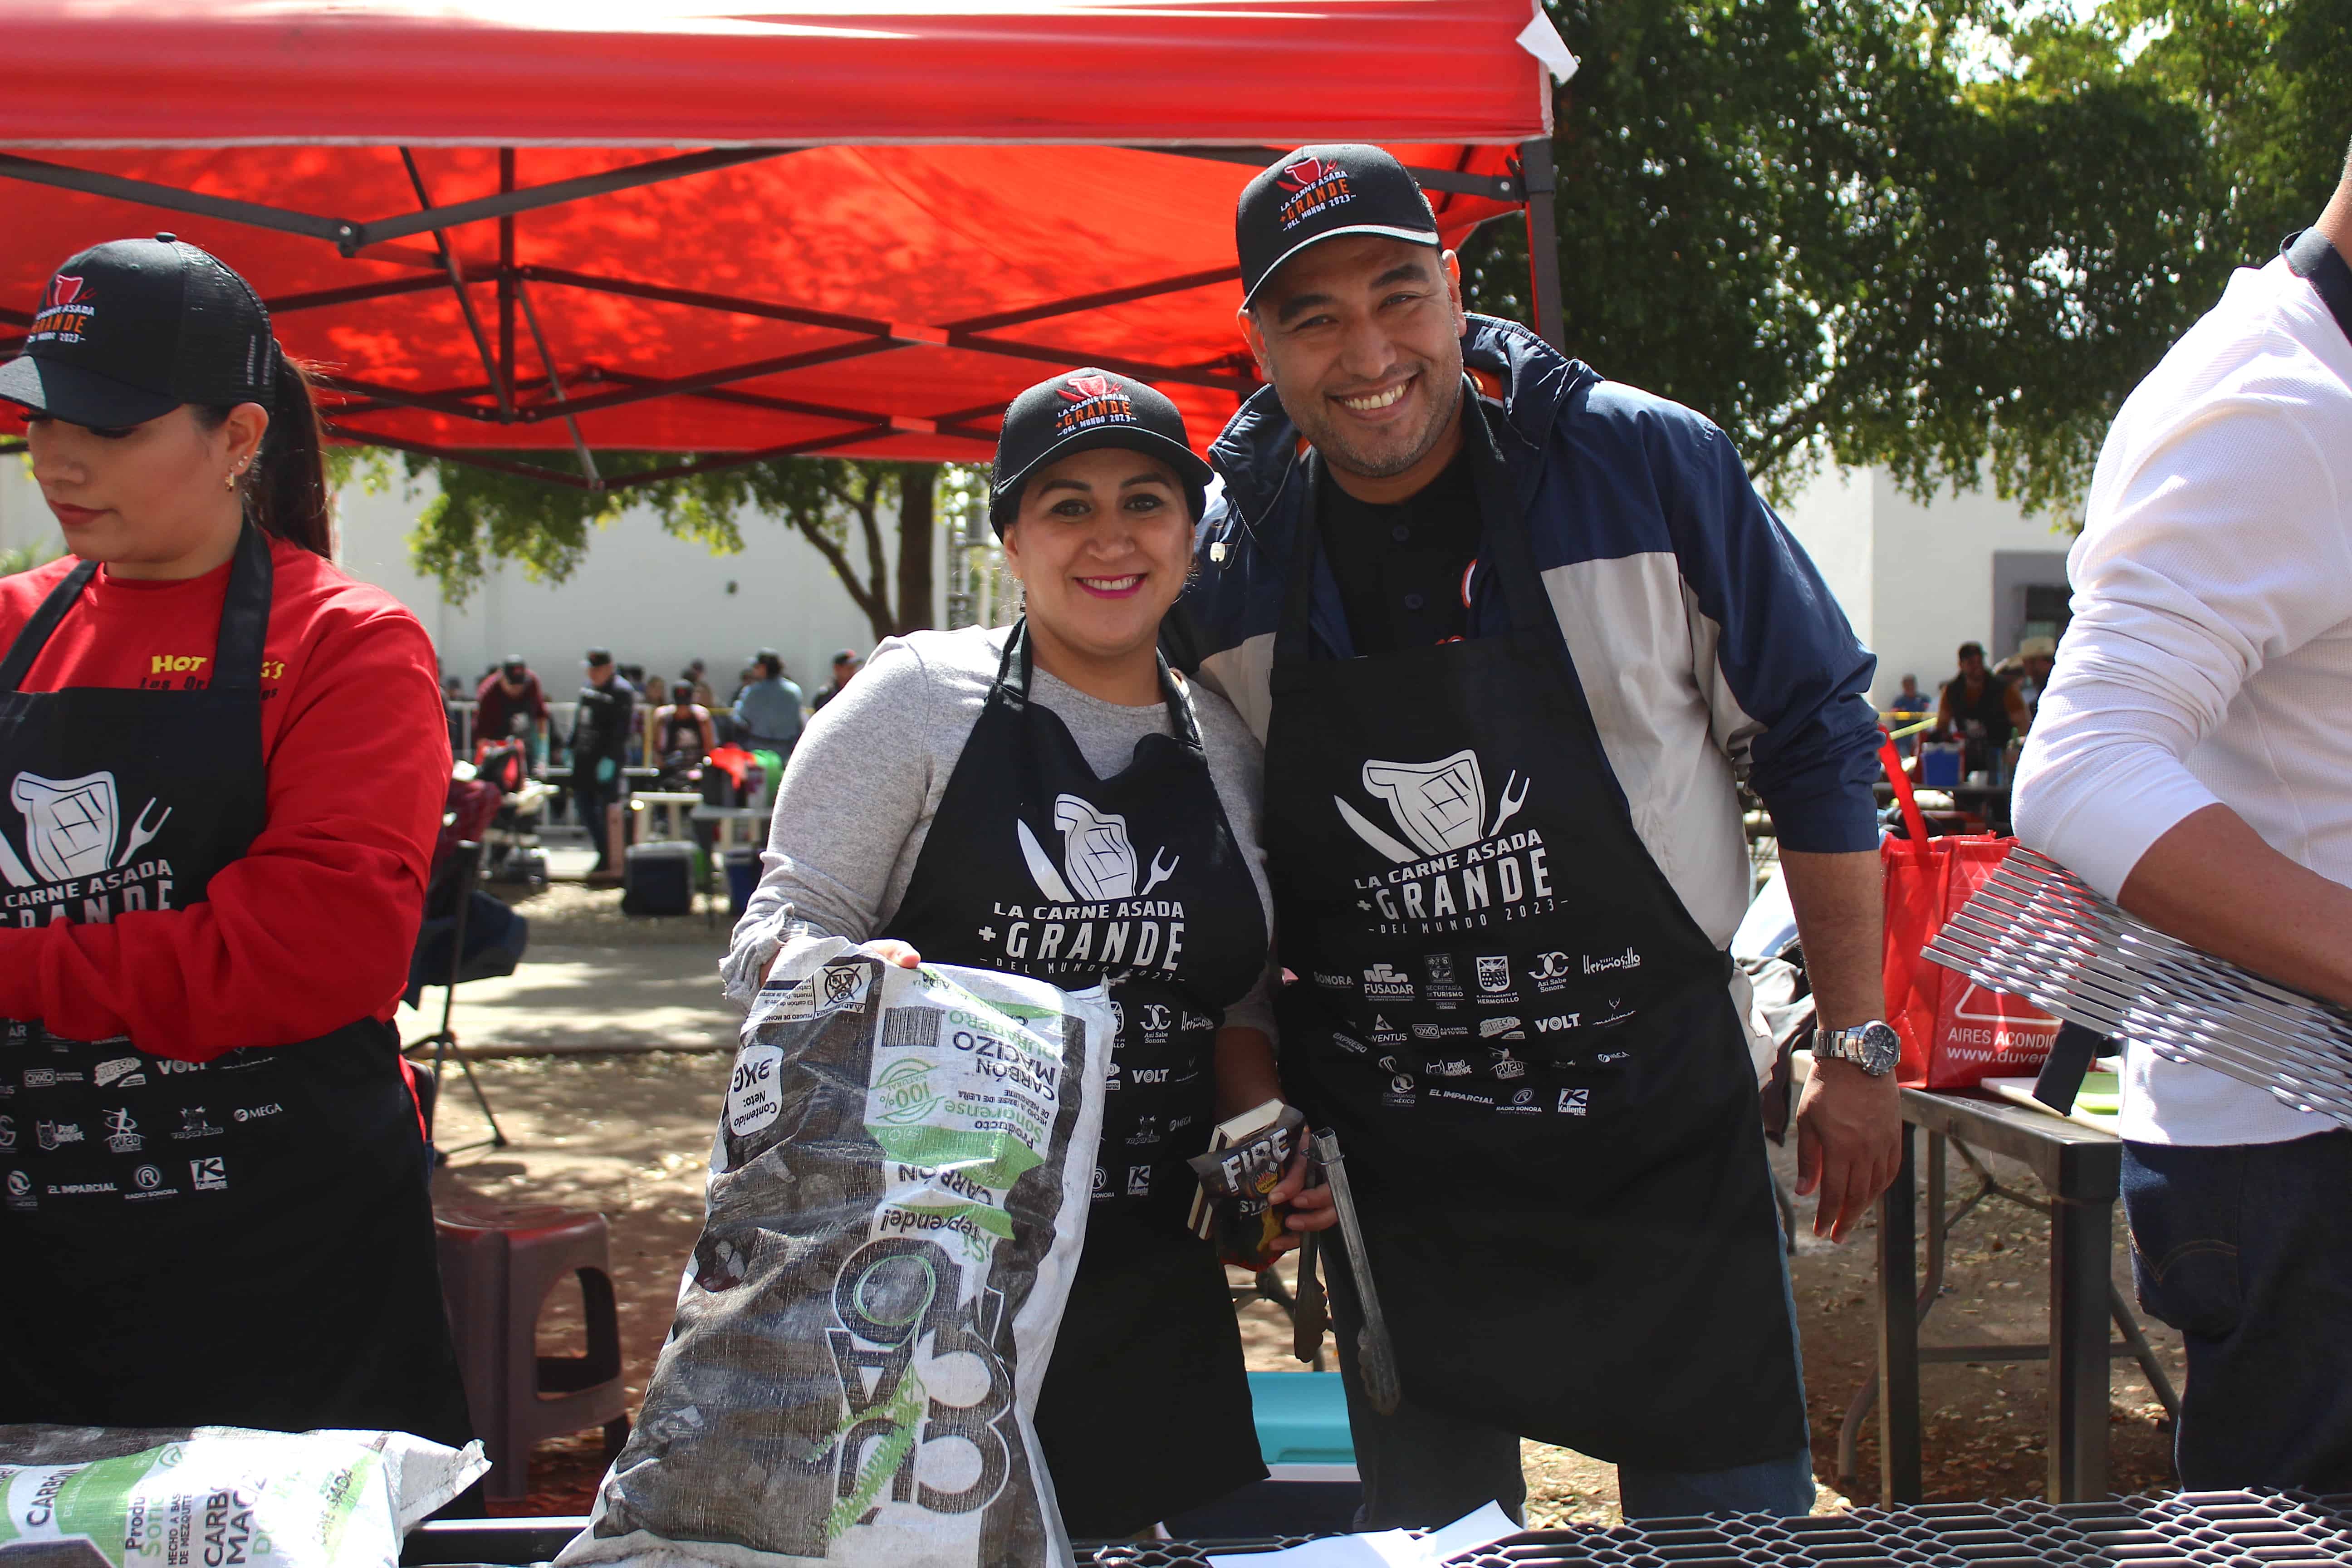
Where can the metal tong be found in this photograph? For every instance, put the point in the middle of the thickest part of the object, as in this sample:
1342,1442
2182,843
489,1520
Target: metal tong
1375,1353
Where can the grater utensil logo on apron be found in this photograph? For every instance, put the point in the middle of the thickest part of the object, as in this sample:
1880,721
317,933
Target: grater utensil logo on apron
1454,869
73,835
1098,860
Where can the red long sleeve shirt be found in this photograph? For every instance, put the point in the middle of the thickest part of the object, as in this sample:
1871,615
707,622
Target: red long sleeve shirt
313,927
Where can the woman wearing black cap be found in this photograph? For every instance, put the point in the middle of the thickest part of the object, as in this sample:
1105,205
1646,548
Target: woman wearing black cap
222,769
1050,799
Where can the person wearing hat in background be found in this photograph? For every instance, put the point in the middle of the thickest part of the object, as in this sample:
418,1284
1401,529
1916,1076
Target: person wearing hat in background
845,665
222,771
996,798
1507,630
508,693
768,715
2037,657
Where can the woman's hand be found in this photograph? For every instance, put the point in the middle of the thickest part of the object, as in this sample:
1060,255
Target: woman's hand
891,950
1310,1207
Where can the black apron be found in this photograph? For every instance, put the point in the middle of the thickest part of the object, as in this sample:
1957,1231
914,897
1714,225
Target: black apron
1542,1088
1037,867
246,1241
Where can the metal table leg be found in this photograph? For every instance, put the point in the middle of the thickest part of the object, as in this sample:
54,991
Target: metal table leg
2081,1238
1899,1331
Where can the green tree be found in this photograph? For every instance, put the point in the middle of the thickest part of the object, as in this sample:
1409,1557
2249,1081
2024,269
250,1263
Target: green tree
1946,237
873,523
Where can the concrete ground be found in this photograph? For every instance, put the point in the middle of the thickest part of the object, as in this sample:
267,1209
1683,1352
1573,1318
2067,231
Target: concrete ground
613,1108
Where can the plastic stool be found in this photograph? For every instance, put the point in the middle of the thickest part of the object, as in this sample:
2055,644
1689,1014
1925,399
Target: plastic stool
497,1265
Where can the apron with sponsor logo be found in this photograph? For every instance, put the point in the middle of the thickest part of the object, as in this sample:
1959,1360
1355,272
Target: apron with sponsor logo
1037,867
246,1241
1526,1043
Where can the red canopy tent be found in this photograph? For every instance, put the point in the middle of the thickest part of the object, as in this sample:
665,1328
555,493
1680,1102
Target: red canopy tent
856,227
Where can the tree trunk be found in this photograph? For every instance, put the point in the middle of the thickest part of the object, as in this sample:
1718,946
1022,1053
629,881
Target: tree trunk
917,485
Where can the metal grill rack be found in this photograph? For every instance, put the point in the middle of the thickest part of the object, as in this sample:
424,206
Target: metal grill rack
2209,1530
2034,931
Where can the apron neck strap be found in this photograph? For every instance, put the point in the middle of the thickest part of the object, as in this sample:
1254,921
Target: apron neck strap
1013,672
1503,544
35,635
2315,259
244,623
244,614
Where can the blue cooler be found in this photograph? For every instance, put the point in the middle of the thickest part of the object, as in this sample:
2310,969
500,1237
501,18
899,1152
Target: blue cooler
1302,1435
1939,764
742,876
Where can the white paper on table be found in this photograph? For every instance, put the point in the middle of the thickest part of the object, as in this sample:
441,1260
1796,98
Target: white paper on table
1385,1548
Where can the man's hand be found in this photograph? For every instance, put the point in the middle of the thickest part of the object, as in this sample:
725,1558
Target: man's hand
1849,1129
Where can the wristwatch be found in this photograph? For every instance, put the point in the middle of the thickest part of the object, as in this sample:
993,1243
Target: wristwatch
1874,1046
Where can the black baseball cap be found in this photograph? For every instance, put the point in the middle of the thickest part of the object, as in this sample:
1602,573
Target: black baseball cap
130,329
1320,192
600,656
1079,413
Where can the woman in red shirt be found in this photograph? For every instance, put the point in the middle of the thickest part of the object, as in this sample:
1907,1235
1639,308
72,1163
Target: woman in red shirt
221,768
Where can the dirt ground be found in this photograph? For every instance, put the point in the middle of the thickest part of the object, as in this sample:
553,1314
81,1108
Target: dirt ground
628,1134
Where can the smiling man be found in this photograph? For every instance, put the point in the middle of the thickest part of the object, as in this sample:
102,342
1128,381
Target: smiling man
1508,631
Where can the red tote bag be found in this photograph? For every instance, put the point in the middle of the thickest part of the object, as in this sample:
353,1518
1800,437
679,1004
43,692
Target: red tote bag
1956,1034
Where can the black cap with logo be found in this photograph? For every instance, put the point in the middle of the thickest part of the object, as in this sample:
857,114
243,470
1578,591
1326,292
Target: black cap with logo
1077,413
1321,192
130,329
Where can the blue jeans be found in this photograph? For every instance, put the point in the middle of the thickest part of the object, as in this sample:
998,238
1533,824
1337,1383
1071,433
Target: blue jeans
2244,1249
1425,1468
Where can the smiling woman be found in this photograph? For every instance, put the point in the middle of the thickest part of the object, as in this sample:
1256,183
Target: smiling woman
1050,799
224,765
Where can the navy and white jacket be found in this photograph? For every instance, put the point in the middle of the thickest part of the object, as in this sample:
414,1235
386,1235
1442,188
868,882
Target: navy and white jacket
1704,639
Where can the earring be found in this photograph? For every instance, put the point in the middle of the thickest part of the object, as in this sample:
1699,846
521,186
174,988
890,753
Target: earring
228,481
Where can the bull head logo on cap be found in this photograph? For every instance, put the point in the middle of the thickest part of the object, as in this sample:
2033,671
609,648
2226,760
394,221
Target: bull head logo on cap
1306,173
63,290
1079,388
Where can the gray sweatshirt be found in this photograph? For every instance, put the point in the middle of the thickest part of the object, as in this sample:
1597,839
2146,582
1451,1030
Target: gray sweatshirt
863,784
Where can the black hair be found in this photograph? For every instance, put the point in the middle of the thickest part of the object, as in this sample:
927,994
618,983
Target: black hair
286,489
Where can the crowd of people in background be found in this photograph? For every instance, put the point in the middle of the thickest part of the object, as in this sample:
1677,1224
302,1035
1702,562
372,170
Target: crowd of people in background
625,717
1985,709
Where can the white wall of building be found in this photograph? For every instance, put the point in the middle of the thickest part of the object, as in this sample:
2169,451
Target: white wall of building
1917,580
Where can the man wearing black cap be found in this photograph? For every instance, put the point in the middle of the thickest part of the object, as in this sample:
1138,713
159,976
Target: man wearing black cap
1509,630
507,694
600,748
845,665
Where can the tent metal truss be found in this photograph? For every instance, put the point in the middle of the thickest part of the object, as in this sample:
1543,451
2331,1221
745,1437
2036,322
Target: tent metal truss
511,394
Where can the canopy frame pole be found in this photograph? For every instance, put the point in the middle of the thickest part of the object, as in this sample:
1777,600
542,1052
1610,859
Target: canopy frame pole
465,301
450,403
949,424
506,276
1543,243
572,482
1075,303
337,232
1494,187
555,386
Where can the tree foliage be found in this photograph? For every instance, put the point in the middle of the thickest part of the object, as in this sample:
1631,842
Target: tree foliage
1944,236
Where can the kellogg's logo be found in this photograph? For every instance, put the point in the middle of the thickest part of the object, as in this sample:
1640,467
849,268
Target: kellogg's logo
1091,398
1314,184
65,315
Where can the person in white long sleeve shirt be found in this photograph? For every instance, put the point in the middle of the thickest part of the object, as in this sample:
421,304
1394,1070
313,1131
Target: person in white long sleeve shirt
2193,759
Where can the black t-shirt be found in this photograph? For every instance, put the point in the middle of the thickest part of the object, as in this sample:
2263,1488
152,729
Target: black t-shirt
1399,566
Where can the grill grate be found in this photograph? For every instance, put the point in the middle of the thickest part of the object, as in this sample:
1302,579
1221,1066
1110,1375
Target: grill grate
2034,931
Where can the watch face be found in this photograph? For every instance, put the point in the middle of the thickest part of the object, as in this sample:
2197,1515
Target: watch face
1881,1048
